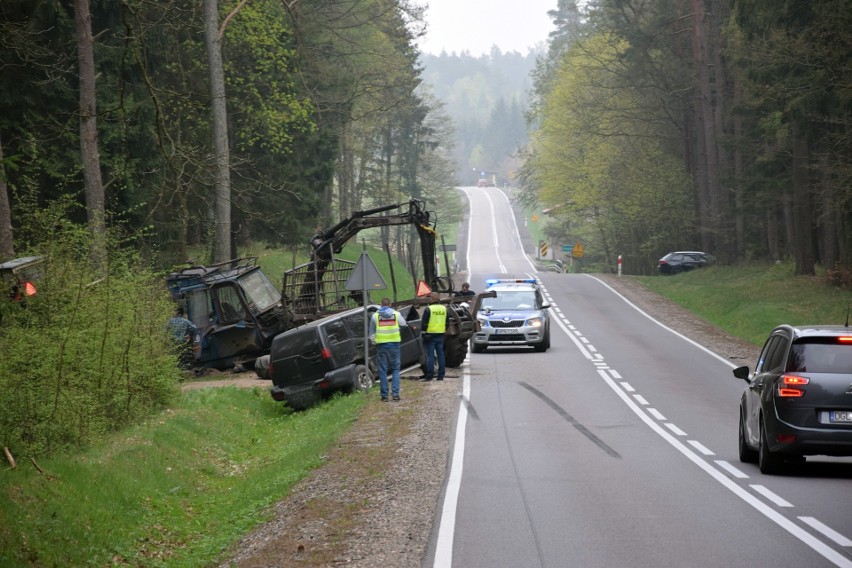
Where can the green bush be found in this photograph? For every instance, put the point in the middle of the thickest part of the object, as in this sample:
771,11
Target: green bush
88,354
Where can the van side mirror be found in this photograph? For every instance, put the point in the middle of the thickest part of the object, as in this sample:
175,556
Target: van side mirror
742,373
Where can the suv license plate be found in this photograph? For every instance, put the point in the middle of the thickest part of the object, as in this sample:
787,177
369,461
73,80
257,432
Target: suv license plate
505,330
844,416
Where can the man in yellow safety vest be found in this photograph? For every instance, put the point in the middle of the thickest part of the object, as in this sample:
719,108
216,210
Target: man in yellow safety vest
434,325
384,330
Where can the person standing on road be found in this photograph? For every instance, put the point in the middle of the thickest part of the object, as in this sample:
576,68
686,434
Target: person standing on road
434,325
385,331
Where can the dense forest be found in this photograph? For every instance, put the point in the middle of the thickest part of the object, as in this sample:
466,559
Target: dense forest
719,125
212,123
645,126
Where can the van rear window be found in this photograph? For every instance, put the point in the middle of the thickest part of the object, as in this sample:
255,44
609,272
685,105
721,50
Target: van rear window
301,342
821,355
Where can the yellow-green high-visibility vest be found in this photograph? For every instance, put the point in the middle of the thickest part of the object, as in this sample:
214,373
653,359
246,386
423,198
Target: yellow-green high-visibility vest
437,318
387,329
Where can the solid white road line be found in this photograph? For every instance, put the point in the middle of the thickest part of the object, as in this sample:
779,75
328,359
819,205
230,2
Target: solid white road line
447,528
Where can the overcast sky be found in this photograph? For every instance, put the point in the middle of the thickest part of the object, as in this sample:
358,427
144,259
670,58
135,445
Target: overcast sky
476,25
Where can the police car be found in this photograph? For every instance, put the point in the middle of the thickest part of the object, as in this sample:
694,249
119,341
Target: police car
517,316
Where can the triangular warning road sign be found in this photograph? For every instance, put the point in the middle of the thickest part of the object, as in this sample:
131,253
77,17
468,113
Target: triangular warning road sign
423,289
365,275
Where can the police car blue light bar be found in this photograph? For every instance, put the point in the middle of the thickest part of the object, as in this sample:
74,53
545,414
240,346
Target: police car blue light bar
493,281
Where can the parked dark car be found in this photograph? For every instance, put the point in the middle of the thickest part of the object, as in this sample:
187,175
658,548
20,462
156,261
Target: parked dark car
326,356
681,261
798,400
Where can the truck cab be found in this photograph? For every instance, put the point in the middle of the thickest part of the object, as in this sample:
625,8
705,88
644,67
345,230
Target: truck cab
236,309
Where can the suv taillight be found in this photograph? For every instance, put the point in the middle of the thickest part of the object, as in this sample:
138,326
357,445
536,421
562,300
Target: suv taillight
788,386
326,353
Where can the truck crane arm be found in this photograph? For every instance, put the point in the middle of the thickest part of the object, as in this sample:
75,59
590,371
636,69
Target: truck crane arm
331,241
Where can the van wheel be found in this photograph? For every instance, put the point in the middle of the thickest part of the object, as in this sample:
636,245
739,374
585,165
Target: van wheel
455,352
363,379
769,463
747,455
545,343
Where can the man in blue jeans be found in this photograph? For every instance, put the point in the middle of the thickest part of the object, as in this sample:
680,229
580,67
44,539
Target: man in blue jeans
384,330
434,325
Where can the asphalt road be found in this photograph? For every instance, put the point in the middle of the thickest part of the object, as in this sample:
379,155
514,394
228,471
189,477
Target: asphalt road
617,447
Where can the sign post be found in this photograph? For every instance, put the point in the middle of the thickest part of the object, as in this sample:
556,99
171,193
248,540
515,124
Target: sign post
365,276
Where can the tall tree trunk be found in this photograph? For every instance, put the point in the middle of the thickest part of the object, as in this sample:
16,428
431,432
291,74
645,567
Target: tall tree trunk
701,123
772,234
385,191
345,173
722,92
7,247
709,183
739,192
219,115
802,206
183,207
844,235
828,223
94,187
789,224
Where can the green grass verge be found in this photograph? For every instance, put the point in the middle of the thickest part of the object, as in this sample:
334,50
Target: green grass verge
175,491
748,301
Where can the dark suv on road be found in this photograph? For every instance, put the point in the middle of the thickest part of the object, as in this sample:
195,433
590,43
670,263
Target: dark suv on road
326,356
798,400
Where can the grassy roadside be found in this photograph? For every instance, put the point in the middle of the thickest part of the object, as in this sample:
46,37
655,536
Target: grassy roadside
184,485
176,490
748,301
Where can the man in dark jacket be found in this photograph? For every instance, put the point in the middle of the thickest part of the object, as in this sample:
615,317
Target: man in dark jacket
465,291
434,325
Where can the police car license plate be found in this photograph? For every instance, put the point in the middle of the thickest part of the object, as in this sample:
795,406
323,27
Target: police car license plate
840,416
505,331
